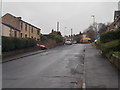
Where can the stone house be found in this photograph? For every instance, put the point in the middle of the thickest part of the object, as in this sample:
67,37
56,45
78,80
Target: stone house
16,27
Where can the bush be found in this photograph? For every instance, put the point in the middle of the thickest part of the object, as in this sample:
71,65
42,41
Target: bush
98,44
110,36
111,46
7,44
11,43
57,38
116,54
44,38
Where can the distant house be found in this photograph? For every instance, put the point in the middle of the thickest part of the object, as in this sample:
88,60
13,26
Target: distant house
16,27
117,20
116,23
110,27
85,38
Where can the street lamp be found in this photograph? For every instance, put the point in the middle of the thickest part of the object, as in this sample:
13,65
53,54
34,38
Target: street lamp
71,34
93,16
94,24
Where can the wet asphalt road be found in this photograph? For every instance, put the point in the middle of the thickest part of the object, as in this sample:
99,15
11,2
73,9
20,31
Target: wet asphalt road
61,67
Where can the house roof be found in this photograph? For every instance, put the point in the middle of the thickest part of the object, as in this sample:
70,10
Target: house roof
30,24
11,26
116,17
20,20
116,14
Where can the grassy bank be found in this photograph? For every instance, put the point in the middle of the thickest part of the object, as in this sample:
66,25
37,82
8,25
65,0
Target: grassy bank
109,44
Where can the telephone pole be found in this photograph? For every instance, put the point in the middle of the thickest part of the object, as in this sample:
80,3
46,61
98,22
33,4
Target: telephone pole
57,26
71,34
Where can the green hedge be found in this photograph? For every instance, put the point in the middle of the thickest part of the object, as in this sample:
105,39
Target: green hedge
57,38
12,43
110,36
111,46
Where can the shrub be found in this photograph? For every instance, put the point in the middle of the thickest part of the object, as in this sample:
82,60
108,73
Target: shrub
98,44
116,54
57,38
7,44
110,36
111,46
12,43
44,38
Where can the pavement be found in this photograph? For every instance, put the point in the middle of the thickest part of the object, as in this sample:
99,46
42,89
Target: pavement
99,72
68,66
18,56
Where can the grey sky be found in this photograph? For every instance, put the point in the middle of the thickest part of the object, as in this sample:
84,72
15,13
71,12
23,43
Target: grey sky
76,15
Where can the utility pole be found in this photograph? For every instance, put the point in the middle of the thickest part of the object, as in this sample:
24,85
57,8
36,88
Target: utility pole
71,34
57,26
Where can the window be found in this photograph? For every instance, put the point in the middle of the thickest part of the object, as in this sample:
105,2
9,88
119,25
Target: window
38,32
38,39
32,37
21,25
26,27
25,35
20,34
10,31
15,33
32,30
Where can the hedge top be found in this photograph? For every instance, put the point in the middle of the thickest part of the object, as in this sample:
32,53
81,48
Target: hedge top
109,36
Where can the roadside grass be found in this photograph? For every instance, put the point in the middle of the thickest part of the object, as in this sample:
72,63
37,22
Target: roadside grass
117,54
113,46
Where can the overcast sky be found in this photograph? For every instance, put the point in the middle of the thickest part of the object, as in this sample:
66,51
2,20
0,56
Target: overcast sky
76,15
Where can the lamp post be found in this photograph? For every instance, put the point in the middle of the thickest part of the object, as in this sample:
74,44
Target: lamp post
71,34
64,31
94,24
93,16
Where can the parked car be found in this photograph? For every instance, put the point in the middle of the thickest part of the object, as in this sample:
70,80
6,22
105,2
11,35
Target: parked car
68,42
41,46
74,42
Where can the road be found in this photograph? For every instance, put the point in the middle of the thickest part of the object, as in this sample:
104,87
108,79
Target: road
66,66
58,67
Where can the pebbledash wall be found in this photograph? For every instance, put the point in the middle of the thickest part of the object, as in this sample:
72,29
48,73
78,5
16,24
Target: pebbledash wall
15,27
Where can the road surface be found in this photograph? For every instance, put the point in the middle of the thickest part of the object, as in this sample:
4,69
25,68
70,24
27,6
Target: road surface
68,66
58,67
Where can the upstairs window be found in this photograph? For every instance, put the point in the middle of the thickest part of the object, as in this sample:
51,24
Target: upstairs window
32,30
21,25
26,27
38,32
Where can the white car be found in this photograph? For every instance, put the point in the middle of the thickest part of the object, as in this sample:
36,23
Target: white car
68,42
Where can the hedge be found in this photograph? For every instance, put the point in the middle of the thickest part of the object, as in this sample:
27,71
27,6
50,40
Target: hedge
57,38
12,43
110,36
111,46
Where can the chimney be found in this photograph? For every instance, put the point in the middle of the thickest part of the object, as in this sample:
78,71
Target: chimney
19,18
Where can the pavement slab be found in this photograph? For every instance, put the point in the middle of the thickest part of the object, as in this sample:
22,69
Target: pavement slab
100,73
